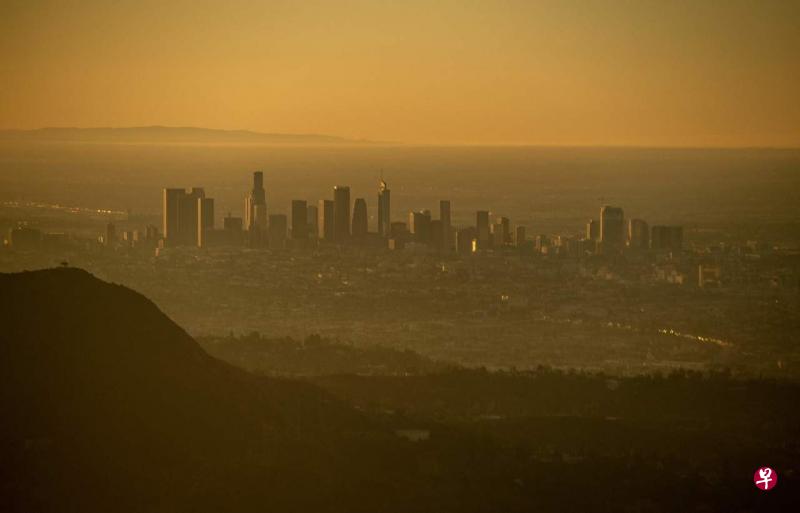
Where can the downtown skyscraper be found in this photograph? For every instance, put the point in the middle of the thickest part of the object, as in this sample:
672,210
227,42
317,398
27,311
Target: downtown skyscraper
299,219
341,213
255,205
360,219
325,221
444,217
638,234
612,229
185,214
384,209
482,227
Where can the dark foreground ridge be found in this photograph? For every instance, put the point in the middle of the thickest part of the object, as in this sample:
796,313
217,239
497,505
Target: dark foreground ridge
107,405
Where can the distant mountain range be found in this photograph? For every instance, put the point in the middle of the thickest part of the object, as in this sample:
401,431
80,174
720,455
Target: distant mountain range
168,134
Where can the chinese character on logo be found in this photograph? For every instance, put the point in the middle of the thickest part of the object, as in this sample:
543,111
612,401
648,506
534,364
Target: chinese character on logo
765,478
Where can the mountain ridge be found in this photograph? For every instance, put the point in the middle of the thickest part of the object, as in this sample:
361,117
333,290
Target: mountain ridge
109,405
172,134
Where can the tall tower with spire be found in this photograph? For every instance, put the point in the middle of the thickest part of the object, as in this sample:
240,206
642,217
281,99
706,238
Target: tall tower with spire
255,204
384,209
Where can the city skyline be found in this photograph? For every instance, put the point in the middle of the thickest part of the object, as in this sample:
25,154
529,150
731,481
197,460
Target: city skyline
188,220
349,256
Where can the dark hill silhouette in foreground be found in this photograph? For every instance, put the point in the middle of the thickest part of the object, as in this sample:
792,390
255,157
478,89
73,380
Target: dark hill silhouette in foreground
107,405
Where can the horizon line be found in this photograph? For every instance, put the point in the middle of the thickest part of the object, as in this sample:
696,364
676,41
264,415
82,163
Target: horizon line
372,142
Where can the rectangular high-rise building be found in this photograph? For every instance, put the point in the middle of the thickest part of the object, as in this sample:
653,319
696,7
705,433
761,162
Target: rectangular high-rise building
638,234
249,212
111,235
205,219
509,238
170,201
612,229
188,216
206,213
501,232
444,217
519,235
312,220
466,240
325,224
482,228
299,219
180,215
255,205
277,231
341,213
419,225
384,210
359,218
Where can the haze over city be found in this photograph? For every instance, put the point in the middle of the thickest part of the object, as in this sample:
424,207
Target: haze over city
400,257
646,73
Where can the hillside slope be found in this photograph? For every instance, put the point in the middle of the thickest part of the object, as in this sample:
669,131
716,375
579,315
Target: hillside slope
107,404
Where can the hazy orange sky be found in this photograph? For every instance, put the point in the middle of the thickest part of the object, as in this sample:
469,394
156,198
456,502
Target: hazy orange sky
552,72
